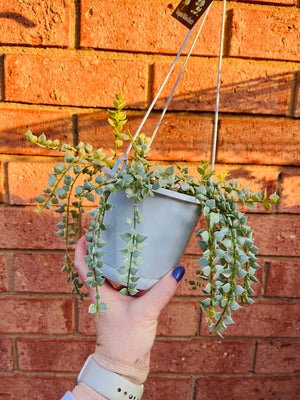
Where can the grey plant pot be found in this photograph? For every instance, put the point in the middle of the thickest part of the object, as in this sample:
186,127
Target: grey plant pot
170,219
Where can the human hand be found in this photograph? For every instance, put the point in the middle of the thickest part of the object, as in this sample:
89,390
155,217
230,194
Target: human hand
126,331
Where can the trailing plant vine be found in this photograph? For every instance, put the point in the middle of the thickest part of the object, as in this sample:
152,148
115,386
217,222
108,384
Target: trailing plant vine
228,262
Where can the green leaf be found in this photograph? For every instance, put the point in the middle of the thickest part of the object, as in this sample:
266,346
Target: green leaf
242,273
42,138
102,306
140,238
226,287
214,219
184,186
203,262
227,243
207,288
90,197
239,289
206,270
211,204
234,305
203,245
51,180
126,236
250,205
92,309
100,179
205,303
40,199
228,320
59,168
205,236
89,236
206,211
69,158
61,193
219,253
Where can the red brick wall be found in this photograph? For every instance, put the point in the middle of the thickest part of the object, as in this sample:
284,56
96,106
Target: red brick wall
61,61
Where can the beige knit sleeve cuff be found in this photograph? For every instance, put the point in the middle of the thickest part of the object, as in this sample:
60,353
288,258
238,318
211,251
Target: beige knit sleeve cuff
136,373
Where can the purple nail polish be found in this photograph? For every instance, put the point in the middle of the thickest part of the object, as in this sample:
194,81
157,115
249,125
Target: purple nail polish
178,273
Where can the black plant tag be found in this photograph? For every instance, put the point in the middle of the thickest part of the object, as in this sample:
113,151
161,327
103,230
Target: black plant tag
188,12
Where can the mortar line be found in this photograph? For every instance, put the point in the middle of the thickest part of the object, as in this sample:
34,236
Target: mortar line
193,388
15,354
2,79
278,189
265,278
294,93
253,361
10,265
77,23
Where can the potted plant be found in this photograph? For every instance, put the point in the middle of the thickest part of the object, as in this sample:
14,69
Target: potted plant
136,202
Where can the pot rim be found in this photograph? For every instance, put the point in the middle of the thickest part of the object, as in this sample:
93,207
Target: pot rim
177,195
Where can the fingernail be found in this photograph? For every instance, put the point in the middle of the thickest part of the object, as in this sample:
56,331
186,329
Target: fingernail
178,273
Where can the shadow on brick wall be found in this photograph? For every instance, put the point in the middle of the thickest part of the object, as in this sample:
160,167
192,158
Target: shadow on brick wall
20,19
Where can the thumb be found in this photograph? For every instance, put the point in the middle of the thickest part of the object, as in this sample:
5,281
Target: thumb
79,262
162,292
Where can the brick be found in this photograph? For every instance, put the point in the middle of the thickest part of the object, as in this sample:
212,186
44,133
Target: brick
65,355
279,2
35,23
2,190
290,188
147,27
255,178
246,87
86,325
179,318
7,358
26,180
40,273
248,388
277,357
15,122
45,315
185,289
31,387
273,234
25,229
30,179
265,319
276,234
51,79
167,388
180,138
268,34
271,142
297,98
282,278
202,356
3,273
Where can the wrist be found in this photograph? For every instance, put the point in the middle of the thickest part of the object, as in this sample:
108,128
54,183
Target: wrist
135,372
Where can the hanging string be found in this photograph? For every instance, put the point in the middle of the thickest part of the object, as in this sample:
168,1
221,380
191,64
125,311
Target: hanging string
216,120
215,133
180,73
124,157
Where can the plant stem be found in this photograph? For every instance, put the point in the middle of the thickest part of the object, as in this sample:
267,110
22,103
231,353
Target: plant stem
133,242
